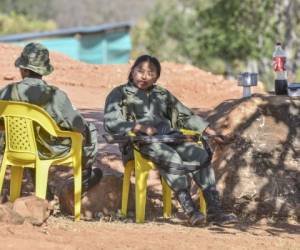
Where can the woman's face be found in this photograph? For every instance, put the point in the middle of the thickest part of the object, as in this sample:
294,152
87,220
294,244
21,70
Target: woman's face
144,75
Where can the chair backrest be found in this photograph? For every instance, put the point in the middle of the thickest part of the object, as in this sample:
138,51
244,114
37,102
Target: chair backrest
19,134
19,118
29,111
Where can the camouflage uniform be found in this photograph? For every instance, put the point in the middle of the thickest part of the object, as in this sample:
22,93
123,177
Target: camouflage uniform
35,57
157,107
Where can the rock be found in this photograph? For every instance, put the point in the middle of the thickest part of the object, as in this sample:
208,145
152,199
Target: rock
251,207
35,210
262,163
263,222
298,212
7,215
104,198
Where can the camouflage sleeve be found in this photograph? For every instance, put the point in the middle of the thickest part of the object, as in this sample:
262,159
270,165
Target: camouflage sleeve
183,117
5,93
114,118
71,118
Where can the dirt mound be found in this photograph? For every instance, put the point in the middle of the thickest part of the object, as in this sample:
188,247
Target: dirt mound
259,173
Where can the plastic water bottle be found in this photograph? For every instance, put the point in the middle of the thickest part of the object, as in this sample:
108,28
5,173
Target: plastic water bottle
279,66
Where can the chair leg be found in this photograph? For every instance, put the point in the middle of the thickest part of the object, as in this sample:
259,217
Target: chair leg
77,190
202,202
141,176
15,182
126,186
2,173
167,201
41,178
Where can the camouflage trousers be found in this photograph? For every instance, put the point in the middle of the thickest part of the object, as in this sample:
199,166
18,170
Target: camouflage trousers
178,162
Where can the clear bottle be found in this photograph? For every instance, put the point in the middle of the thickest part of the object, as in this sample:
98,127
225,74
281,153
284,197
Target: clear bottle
279,66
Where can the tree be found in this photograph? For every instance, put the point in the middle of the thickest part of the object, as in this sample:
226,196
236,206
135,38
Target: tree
78,12
32,9
222,36
167,30
13,23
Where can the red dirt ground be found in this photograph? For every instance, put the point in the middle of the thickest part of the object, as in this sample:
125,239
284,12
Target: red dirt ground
87,86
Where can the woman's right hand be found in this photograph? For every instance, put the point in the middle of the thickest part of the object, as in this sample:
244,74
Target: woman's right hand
148,130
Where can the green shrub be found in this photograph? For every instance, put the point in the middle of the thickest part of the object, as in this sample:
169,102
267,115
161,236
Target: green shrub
16,23
221,36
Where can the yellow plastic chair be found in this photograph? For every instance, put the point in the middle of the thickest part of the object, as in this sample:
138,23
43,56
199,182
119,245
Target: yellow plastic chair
21,149
142,166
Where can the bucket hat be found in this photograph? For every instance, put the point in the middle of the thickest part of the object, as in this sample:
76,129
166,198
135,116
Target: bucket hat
35,57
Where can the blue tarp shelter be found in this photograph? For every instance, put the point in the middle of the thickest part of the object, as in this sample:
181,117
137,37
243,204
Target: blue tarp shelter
102,44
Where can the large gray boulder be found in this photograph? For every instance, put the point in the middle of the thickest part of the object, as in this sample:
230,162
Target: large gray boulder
259,172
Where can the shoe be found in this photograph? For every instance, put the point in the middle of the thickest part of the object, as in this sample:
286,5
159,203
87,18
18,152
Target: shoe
215,213
222,218
195,218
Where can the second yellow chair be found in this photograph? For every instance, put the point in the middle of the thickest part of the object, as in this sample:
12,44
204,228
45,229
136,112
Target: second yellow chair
142,166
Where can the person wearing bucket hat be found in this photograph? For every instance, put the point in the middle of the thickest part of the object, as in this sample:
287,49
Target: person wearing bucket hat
34,63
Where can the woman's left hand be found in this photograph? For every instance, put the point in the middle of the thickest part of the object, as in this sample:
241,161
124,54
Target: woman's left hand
148,130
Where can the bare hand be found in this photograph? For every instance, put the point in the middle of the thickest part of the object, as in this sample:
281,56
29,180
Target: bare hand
150,131
144,129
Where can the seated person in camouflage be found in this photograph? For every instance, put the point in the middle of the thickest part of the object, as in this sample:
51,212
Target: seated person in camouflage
143,107
34,63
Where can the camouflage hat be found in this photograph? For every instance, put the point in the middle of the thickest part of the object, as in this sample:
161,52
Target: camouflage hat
35,57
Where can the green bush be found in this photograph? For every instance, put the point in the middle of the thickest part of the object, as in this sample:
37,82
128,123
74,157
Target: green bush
221,36
16,23
166,32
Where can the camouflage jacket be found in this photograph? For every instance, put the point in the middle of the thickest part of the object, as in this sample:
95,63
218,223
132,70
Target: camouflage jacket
157,107
56,103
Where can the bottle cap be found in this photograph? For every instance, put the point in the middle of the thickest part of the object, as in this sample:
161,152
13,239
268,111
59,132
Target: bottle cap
278,44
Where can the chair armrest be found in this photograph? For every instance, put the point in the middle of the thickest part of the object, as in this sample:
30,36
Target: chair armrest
130,133
190,132
76,137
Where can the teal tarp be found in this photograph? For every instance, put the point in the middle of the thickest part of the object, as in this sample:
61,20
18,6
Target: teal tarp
97,48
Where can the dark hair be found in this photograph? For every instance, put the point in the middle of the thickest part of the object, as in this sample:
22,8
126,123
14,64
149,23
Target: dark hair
145,58
33,74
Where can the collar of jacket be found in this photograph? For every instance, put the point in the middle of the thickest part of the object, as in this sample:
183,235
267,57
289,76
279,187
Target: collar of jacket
34,81
131,88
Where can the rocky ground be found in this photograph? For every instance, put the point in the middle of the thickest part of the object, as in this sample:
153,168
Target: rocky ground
258,173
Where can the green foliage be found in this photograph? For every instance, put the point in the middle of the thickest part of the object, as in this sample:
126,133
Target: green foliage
17,23
19,16
35,9
231,29
165,31
235,32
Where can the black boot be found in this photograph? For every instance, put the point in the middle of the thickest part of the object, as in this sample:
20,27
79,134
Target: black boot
90,177
215,213
188,206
